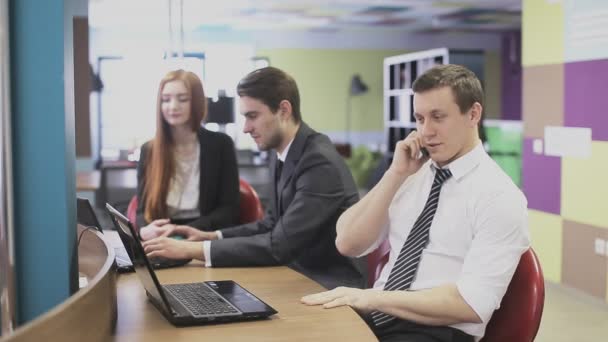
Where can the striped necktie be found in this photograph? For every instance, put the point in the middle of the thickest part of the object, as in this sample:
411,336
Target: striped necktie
403,272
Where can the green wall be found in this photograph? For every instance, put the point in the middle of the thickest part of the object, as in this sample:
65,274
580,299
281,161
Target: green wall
323,77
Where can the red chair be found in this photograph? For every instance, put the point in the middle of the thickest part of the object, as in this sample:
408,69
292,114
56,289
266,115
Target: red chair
519,315
250,209
376,261
132,211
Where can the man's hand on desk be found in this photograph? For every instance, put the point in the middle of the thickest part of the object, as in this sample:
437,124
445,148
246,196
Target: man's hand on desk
173,249
358,299
189,233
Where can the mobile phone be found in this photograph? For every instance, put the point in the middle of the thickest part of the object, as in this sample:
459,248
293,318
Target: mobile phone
424,151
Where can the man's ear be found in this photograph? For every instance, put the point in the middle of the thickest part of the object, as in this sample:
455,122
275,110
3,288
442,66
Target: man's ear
285,109
475,113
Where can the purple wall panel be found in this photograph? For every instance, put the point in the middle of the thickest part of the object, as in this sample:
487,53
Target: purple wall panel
586,96
541,180
511,80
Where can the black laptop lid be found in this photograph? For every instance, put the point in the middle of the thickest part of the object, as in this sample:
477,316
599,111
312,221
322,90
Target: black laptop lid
85,215
141,264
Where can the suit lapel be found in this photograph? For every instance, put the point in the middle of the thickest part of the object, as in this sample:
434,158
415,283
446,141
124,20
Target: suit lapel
293,156
204,168
275,182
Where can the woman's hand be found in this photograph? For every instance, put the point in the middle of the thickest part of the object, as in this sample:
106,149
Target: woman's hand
173,249
154,229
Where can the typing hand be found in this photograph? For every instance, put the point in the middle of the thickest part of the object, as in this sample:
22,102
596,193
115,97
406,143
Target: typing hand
406,159
173,249
189,233
358,299
154,229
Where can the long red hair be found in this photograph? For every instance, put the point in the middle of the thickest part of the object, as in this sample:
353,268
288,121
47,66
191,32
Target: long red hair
160,167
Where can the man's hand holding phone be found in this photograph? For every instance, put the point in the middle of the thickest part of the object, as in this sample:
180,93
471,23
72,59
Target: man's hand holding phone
409,155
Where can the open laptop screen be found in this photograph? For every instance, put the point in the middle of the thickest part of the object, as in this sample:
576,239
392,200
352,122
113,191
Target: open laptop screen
138,256
85,214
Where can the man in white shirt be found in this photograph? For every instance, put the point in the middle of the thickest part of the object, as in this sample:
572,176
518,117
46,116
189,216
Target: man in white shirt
455,222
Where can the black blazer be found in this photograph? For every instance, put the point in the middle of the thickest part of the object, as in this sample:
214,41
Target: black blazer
219,182
299,228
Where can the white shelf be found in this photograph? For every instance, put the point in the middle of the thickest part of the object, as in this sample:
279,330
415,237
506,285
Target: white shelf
398,92
416,56
397,124
399,74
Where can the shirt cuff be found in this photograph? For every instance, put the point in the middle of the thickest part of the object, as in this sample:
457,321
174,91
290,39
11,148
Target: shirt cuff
207,252
477,298
219,234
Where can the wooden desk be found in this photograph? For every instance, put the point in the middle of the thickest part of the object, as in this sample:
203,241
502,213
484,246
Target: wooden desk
280,287
88,180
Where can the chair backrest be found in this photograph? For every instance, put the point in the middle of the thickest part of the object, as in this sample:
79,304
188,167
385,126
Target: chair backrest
250,208
132,211
521,309
519,315
376,261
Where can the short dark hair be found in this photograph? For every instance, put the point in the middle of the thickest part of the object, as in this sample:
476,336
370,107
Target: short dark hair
271,86
465,85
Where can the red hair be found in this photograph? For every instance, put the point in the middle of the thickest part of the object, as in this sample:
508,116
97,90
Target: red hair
160,167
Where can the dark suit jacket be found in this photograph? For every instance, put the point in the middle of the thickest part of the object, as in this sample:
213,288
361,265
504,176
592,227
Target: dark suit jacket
299,229
219,182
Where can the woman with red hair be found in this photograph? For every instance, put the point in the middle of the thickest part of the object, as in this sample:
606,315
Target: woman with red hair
186,174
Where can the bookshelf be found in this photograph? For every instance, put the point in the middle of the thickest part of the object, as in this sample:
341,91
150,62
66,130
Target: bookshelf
399,74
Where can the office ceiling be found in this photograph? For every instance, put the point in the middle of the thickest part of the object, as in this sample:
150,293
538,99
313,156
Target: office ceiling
310,15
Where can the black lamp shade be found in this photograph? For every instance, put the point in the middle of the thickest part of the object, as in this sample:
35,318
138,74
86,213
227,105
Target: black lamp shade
357,86
220,111
96,83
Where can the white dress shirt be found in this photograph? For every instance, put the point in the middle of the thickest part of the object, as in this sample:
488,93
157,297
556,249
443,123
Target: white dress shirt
183,195
477,236
207,244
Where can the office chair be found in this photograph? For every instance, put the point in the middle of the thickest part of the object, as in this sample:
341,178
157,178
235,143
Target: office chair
250,209
519,315
376,261
132,211
521,309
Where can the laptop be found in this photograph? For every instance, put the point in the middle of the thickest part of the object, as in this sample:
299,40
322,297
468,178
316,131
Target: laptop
86,216
193,303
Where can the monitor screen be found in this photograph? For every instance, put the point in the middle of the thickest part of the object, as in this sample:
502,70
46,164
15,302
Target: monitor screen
220,111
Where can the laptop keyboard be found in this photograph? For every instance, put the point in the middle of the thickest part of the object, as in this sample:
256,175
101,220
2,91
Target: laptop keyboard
200,300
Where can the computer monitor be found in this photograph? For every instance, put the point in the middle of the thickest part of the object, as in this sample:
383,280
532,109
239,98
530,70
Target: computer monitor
220,111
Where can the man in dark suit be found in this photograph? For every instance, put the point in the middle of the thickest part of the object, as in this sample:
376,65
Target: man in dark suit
311,187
